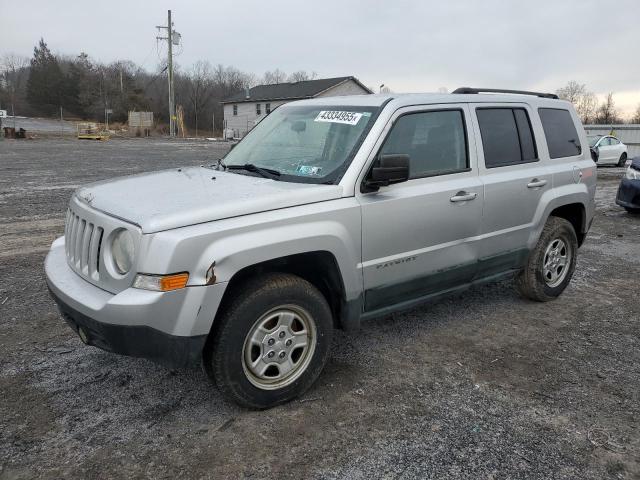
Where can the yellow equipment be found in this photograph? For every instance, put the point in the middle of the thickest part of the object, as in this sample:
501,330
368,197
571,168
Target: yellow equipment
91,131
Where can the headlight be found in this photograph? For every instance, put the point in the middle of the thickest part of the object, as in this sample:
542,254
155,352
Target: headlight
632,174
122,251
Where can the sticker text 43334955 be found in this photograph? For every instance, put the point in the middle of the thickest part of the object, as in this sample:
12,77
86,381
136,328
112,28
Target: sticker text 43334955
334,116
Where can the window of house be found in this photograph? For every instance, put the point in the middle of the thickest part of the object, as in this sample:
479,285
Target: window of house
562,137
235,109
507,137
435,142
258,111
267,108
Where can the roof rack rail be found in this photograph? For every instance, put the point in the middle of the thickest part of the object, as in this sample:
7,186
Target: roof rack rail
500,90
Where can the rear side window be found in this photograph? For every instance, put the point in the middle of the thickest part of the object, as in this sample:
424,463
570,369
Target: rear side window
507,138
562,137
435,142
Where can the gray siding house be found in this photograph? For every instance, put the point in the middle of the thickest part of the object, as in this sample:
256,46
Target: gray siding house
244,110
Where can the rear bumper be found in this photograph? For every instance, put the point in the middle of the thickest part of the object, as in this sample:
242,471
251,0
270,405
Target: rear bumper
628,193
169,328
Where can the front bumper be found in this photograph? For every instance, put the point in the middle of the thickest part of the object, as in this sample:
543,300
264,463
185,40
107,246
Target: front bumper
169,328
628,193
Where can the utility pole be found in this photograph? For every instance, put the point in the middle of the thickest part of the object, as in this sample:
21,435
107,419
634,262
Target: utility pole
172,38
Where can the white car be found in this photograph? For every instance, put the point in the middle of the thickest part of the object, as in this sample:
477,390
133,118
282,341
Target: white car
607,150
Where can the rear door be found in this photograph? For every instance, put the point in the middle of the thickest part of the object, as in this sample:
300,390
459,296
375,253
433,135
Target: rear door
420,237
514,178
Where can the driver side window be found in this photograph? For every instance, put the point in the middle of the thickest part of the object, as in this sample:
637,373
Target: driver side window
435,142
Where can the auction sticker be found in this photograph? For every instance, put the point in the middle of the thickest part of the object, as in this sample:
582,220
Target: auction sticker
334,116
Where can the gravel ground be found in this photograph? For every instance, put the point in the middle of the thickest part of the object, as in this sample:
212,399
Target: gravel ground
482,385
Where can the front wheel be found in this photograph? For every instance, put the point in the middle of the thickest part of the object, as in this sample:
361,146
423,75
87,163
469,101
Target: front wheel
623,160
551,263
271,342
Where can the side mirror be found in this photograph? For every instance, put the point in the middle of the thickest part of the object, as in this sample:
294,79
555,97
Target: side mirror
387,169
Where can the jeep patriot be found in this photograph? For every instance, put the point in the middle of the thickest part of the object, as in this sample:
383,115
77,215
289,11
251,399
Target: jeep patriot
329,212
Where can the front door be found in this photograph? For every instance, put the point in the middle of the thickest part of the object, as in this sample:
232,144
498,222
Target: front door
420,237
606,151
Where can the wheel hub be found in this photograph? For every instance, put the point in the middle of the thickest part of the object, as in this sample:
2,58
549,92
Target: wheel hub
279,347
556,262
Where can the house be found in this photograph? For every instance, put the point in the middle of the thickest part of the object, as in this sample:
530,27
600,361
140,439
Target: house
244,110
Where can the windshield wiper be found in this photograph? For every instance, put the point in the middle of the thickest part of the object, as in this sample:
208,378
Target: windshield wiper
250,167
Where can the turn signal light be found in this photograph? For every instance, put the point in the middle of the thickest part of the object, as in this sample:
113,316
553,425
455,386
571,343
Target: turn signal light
161,283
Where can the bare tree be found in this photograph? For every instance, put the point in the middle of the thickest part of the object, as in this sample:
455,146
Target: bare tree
14,72
607,112
636,116
584,101
199,88
586,107
302,75
274,76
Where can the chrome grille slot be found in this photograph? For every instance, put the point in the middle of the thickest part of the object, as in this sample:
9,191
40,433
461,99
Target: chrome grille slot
82,244
78,242
94,253
84,256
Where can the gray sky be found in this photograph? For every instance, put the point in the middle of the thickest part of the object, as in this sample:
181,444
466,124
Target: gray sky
410,46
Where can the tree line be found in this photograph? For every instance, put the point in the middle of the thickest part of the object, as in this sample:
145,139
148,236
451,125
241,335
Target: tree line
586,104
84,88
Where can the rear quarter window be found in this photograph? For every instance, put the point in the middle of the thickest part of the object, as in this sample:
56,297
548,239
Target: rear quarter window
560,132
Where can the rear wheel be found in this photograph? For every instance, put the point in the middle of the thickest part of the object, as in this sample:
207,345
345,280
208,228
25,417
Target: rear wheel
551,263
271,342
623,160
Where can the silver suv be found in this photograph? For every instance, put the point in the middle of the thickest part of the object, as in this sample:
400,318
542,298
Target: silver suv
329,212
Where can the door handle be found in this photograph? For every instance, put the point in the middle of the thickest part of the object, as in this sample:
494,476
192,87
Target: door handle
535,183
463,197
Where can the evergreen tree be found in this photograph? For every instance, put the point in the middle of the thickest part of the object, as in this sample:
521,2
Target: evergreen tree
46,83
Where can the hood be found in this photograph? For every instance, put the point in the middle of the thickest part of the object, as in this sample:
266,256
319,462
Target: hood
179,197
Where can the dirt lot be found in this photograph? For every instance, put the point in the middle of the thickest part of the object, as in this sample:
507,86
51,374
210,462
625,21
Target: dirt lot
483,385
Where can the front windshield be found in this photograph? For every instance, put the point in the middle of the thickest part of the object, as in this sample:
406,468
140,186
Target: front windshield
593,139
311,143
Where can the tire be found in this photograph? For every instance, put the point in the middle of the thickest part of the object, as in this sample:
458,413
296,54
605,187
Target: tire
633,211
623,160
292,311
539,283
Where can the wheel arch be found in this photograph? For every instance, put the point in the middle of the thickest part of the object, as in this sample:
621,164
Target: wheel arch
574,213
318,267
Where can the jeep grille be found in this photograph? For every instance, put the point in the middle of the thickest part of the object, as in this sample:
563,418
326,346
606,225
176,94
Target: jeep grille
83,241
